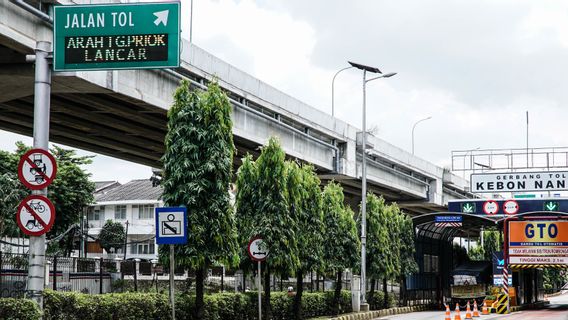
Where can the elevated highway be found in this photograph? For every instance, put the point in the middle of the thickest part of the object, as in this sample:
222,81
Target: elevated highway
123,114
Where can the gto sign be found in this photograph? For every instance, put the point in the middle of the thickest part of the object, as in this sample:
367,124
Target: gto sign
538,242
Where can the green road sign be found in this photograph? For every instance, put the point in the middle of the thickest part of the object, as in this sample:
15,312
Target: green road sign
116,36
524,196
468,207
551,205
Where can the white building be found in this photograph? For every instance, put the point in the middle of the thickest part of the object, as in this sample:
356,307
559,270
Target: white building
131,204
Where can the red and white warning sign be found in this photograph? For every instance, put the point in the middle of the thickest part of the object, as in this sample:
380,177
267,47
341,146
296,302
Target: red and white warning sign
511,207
490,207
37,169
35,215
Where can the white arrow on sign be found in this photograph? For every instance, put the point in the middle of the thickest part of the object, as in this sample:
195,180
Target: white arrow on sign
161,17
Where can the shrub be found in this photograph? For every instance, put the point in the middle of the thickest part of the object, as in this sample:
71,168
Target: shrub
19,309
219,306
128,306
377,301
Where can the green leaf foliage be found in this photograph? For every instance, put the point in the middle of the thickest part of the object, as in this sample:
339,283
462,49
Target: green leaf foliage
342,246
407,248
247,210
197,168
19,309
112,235
124,306
263,206
379,249
148,306
309,214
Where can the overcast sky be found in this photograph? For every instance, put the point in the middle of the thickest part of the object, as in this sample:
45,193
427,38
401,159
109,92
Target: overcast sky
475,67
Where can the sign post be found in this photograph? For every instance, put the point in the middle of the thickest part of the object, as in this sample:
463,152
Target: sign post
116,36
42,92
171,228
258,252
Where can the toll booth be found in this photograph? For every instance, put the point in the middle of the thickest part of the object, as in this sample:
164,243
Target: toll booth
436,255
528,251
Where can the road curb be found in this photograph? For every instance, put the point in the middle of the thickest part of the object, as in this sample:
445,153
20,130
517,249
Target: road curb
380,313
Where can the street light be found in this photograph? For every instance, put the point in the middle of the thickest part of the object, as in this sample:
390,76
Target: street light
333,90
364,172
414,126
465,156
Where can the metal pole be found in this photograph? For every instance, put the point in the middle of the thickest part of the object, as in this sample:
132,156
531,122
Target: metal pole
414,126
191,22
125,240
333,90
172,298
42,91
364,197
259,285
527,139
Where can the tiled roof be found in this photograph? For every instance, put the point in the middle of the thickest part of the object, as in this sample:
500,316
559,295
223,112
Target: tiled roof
102,185
133,190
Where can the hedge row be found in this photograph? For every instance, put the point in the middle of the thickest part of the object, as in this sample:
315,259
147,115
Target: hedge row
152,306
220,306
18,309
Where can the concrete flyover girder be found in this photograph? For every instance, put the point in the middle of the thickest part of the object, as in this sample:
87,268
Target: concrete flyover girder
123,114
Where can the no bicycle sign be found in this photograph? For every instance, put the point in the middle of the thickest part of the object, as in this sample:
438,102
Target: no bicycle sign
36,215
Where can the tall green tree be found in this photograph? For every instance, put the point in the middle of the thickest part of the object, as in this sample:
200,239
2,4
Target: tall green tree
112,236
246,210
341,250
492,242
70,192
379,250
270,213
407,252
304,185
197,167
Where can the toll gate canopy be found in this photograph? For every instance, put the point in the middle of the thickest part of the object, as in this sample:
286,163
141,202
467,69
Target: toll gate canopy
438,258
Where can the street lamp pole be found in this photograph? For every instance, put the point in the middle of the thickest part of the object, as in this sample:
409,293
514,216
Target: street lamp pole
333,90
414,126
364,174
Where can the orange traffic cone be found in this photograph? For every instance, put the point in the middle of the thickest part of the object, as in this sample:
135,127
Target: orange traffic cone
468,311
475,310
457,316
448,315
484,310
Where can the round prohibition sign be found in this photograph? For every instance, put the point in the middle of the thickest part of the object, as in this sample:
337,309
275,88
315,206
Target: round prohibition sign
36,215
511,207
257,249
490,207
37,169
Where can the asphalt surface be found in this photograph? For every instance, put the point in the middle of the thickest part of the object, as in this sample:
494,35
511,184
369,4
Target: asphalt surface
557,310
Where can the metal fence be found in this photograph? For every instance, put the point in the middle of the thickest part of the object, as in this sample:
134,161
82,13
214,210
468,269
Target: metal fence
62,274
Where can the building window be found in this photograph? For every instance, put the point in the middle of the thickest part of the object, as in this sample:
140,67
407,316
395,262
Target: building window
146,211
120,212
142,248
96,213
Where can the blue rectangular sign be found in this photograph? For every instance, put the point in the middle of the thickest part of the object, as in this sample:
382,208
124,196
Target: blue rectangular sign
171,225
448,219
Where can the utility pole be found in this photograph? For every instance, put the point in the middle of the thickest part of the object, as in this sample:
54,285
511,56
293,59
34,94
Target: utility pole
125,240
42,92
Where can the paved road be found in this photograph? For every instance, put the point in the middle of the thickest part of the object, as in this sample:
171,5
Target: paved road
557,310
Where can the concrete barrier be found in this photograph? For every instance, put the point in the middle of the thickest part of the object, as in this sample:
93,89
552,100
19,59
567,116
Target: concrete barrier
379,313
